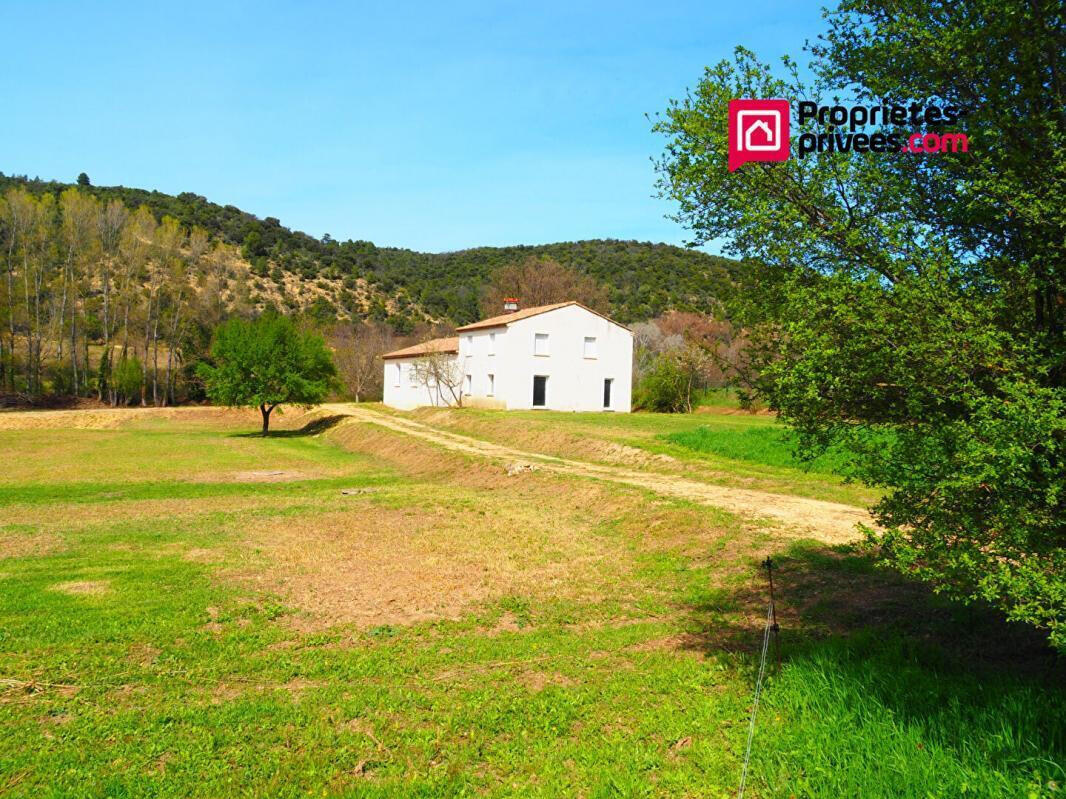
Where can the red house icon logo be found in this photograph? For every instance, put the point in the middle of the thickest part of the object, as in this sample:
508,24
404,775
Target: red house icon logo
758,131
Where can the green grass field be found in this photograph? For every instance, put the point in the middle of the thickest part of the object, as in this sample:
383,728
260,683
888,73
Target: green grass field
186,610
768,445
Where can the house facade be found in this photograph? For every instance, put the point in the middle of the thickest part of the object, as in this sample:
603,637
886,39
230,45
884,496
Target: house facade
408,382
562,357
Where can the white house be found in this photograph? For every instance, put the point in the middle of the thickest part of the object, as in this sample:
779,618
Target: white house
562,357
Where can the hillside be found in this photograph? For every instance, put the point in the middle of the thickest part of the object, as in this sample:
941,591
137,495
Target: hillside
326,277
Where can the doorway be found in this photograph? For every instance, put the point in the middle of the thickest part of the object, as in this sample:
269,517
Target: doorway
540,391
607,383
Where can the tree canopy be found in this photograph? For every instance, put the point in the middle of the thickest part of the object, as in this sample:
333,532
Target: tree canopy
642,279
265,363
541,281
912,305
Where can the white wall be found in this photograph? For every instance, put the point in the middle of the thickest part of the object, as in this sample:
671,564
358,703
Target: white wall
575,383
408,395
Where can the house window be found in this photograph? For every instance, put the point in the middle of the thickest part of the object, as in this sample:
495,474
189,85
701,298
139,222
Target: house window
469,345
608,384
396,375
468,385
412,375
492,343
590,346
492,385
540,344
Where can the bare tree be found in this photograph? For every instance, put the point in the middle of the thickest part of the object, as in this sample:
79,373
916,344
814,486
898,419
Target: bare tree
38,278
80,229
440,375
542,281
357,349
112,221
75,271
168,242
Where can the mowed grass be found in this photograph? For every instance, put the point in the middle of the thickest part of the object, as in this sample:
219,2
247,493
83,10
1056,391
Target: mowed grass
722,445
171,624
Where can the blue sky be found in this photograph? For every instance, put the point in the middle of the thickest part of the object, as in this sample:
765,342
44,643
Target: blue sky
433,126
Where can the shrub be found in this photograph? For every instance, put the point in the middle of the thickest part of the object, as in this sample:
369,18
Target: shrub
663,388
127,379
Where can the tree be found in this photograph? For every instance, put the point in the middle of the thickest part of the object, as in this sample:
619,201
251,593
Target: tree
669,381
357,350
112,222
127,380
80,240
912,306
542,281
440,375
266,363
83,179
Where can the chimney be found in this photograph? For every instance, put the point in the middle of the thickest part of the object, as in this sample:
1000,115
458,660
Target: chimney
510,304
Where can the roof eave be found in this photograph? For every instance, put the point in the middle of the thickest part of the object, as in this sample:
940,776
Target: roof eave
483,326
392,356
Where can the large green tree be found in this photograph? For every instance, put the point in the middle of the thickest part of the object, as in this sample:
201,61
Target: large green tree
265,363
912,306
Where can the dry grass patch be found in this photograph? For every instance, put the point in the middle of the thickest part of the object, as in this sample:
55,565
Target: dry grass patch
83,587
24,545
102,419
78,516
546,439
143,654
537,681
373,565
681,642
204,555
417,458
265,476
203,417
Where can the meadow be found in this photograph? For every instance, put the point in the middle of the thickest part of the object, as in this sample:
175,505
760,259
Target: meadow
187,609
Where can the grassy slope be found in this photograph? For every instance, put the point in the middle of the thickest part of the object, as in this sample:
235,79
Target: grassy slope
722,445
188,675
770,445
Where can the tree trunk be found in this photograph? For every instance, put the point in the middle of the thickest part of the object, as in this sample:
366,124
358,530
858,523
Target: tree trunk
155,360
168,393
10,372
102,385
74,338
147,340
62,322
265,410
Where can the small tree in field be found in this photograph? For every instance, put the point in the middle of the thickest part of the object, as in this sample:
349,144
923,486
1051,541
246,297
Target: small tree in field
265,363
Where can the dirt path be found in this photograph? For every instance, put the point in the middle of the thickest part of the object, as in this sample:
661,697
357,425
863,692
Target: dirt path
831,522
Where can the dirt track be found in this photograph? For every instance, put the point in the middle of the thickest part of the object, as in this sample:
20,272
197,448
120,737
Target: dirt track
831,522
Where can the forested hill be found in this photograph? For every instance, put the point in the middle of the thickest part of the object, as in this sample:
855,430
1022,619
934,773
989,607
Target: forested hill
643,279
